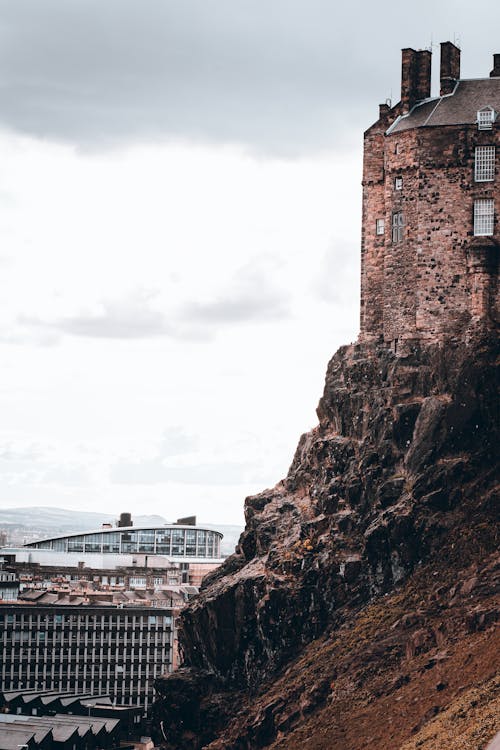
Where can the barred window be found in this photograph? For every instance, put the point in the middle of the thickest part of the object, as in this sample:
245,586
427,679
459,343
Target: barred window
484,214
397,226
485,118
484,164
398,183
380,226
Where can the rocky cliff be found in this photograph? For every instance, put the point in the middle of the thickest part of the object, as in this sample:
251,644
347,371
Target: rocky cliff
341,619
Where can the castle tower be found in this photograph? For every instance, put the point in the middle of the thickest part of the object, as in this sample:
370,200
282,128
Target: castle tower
431,197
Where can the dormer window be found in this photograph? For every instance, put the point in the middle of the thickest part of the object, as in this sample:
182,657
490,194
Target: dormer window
485,118
398,183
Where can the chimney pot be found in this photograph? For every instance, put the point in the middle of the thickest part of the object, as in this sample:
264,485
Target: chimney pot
495,73
383,111
449,67
125,520
415,76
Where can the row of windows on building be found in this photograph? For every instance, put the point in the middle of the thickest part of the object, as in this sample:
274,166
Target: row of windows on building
133,621
484,210
119,652
484,166
175,542
484,221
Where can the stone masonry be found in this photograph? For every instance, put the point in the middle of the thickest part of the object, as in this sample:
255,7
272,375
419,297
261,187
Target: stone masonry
427,272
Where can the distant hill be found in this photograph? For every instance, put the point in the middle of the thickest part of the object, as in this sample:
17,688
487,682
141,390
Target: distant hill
46,521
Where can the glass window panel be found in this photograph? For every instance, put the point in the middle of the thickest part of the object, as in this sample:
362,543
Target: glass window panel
484,215
111,542
146,539
397,226
485,119
163,548
75,544
484,168
93,542
129,541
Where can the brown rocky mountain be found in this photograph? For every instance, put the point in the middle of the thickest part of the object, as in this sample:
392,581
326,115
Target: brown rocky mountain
360,607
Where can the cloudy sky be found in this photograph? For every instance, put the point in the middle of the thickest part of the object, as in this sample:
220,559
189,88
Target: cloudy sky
179,234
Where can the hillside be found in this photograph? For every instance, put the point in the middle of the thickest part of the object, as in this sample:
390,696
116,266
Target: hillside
360,607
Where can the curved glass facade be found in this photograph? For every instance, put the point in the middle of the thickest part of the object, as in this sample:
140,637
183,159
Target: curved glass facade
172,541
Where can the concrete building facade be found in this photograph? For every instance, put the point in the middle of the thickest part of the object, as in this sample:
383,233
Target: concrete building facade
79,648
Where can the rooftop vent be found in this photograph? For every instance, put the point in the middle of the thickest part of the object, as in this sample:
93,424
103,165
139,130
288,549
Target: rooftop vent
188,521
125,520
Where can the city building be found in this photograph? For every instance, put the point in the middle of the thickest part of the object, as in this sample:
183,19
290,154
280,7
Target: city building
95,612
34,575
193,550
78,644
429,262
9,583
58,732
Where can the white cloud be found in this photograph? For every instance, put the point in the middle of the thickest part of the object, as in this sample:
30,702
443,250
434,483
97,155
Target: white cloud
288,78
249,298
180,285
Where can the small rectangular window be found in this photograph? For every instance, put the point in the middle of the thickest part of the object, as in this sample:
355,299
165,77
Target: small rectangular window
484,167
485,118
397,226
380,226
398,183
484,215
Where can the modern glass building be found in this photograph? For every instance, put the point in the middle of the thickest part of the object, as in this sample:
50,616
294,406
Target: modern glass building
177,542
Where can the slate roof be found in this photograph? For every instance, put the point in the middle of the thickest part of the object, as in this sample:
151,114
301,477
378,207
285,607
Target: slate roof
458,108
11,739
62,726
15,735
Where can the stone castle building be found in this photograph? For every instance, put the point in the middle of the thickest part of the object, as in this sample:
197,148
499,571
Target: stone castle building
431,196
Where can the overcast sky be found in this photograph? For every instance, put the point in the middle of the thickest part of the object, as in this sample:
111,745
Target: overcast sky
179,234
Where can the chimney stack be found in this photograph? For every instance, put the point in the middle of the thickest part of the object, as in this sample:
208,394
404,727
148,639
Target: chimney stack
415,77
495,73
125,520
449,68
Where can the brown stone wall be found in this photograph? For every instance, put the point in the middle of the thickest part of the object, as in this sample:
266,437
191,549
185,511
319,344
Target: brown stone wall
400,262
373,246
436,282
446,227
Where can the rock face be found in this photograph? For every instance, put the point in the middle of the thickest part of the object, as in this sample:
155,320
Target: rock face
399,475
